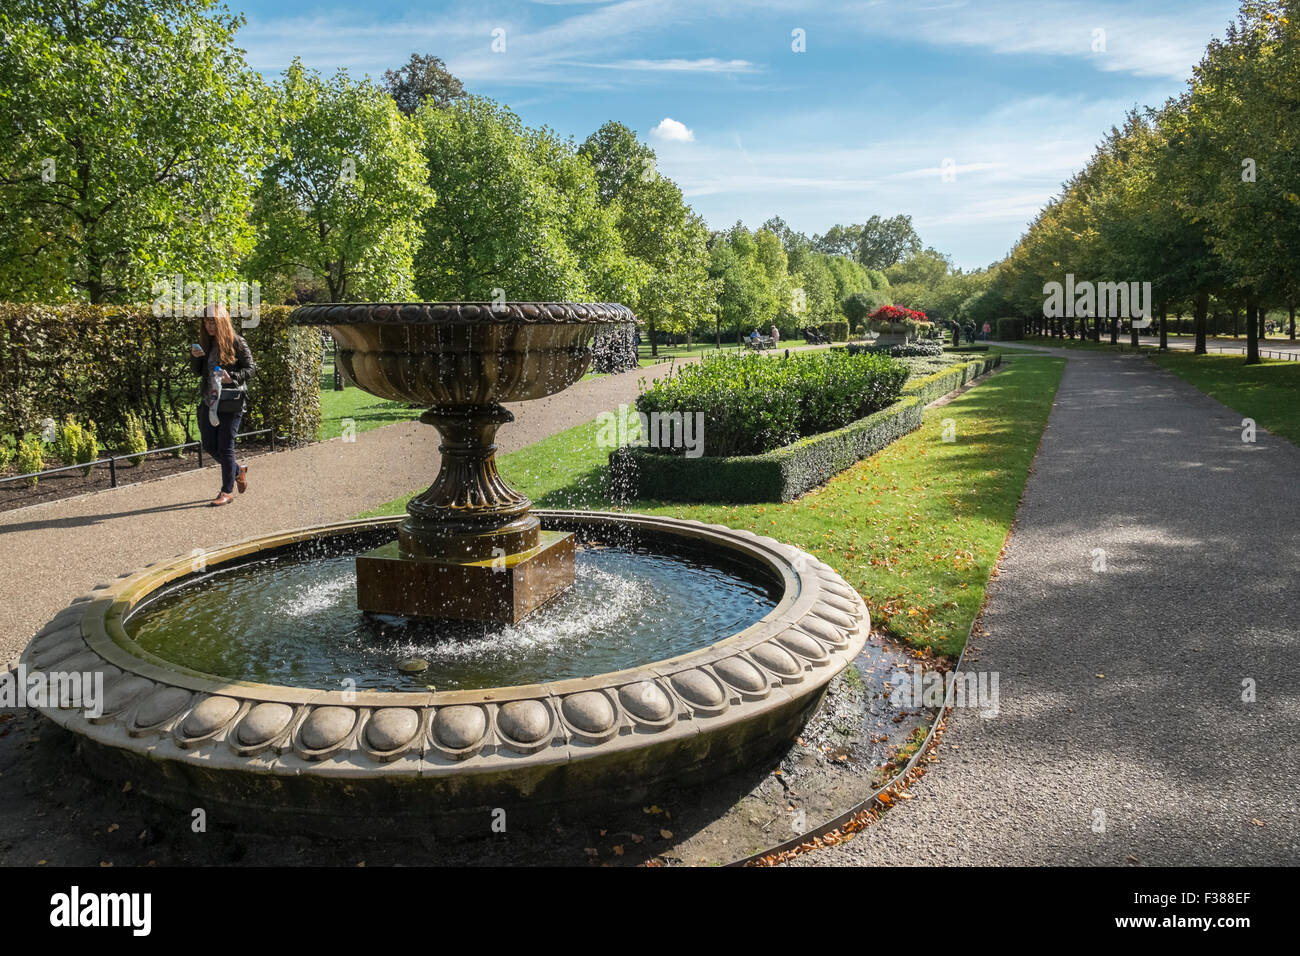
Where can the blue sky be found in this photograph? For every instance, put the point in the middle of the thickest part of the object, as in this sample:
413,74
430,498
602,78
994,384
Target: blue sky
1010,97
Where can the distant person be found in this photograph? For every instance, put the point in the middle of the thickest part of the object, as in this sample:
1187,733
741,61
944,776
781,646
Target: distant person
776,336
221,358
986,330
753,336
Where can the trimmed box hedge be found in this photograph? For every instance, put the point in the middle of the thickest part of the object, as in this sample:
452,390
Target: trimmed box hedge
106,363
940,383
779,475
787,472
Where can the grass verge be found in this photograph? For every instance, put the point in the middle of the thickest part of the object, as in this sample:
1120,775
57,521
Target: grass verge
916,529
1268,392
352,404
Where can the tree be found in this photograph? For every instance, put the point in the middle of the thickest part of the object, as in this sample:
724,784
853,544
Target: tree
839,241
343,197
884,242
791,241
813,295
423,79
666,243
518,213
857,306
746,298
1245,106
619,160
928,267
134,132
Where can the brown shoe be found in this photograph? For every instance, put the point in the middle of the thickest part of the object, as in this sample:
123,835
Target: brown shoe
222,499
241,479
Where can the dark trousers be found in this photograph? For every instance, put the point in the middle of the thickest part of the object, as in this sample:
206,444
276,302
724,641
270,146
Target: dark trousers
219,442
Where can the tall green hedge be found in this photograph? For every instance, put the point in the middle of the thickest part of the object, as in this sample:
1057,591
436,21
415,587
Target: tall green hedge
106,362
1009,329
837,331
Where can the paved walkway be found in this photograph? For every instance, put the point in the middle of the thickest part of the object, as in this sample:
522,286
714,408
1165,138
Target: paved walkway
52,552
1199,595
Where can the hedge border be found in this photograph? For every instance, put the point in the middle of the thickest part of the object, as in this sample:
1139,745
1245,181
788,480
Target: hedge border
792,470
103,363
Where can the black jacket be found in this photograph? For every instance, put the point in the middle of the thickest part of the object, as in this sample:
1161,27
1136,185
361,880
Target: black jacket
240,372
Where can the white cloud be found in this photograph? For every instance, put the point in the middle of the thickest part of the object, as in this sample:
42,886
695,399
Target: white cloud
670,130
706,65
1112,37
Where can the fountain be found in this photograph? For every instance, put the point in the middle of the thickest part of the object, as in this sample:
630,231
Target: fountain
575,659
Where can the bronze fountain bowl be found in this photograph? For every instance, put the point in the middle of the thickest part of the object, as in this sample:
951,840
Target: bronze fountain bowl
470,548
464,353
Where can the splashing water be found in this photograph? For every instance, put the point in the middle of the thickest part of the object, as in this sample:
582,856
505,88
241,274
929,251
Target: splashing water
294,620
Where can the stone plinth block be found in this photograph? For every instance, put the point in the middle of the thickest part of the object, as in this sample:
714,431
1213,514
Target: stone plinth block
505,589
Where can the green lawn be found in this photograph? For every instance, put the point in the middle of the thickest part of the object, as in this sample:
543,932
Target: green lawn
1268,392
915,529
362,408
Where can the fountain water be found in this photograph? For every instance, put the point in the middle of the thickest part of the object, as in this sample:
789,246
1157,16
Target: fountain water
245,683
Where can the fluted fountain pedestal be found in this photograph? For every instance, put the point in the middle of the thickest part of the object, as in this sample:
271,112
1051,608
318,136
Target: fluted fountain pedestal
469,548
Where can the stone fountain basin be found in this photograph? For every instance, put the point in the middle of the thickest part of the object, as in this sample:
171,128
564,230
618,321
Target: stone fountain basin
463,353
441,763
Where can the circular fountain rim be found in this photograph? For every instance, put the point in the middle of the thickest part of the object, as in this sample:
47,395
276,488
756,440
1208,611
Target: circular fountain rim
152,707
461,313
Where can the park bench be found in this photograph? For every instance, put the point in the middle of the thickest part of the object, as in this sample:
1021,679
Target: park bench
759,344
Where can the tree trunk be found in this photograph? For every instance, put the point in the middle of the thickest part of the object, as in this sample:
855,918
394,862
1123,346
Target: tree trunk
1114,330
1263,326
1293,323
1236,321
1164,327
1252,332
654,342
1202,306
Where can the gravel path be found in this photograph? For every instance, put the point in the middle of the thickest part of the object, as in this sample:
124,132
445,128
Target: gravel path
50,553
1199,594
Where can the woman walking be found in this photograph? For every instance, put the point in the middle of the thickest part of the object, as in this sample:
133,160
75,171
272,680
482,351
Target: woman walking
221,358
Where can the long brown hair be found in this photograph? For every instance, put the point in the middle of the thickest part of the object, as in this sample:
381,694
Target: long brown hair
225,336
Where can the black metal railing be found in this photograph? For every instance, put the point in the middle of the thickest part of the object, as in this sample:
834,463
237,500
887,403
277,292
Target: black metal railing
112,460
